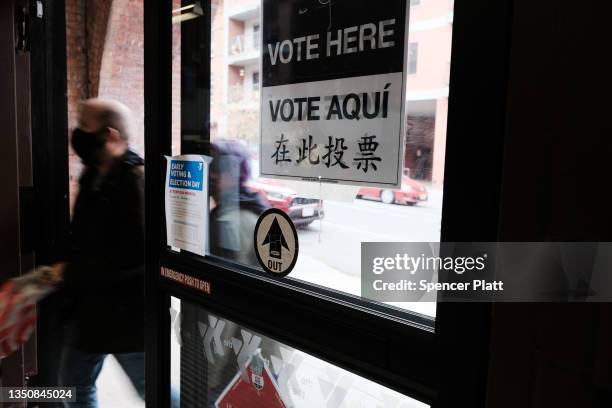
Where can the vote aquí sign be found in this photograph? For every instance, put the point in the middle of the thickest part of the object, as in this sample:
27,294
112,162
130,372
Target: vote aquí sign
333,90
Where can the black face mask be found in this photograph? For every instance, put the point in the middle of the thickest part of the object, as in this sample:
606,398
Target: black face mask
88,146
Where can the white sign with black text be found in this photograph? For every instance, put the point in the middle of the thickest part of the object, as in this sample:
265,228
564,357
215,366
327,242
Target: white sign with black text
333,91
186,202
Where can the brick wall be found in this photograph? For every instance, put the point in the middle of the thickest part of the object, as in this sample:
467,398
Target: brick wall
97,12
104,58
122,66
77,85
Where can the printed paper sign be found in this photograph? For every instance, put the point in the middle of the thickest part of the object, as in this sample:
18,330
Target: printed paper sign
187,202
261,391
333,91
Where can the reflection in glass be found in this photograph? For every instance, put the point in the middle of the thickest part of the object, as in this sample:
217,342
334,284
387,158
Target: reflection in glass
217,363
332,220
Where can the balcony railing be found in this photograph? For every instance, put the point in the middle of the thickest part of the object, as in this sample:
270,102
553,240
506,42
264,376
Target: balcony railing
238,94
238,45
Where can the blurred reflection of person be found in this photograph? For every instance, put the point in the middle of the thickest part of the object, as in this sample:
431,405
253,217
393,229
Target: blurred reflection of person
236,207
235,210
105,270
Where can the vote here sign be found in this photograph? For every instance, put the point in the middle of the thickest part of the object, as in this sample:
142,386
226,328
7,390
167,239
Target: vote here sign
333,90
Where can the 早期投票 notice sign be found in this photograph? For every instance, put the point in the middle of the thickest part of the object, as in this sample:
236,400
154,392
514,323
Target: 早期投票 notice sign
186,198
333,90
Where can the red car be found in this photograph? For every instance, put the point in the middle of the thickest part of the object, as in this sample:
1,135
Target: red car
301,210
411,193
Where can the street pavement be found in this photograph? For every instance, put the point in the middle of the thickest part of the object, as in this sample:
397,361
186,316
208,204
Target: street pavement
114,387
336,240
330,250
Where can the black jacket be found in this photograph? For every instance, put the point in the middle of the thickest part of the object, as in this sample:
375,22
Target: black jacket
105,275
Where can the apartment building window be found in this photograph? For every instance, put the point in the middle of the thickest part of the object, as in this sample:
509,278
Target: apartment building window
255,79
413,49
256,36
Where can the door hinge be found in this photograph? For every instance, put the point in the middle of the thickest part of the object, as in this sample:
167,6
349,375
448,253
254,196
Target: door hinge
39,9
22,28
22,24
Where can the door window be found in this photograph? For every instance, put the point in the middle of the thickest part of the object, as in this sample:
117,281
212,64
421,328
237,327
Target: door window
332,220
218,363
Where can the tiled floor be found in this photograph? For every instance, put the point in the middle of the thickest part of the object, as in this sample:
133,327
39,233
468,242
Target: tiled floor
114,387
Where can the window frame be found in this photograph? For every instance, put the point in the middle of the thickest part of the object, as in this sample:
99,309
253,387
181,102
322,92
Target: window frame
256,36
413,60
255,84
437,367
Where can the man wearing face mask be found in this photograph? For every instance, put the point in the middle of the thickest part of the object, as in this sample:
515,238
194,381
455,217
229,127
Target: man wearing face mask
105,271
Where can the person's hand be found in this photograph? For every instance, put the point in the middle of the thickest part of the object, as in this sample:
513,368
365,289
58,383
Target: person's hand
55,274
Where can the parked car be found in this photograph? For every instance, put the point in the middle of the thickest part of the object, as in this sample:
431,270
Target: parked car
411,193
301,210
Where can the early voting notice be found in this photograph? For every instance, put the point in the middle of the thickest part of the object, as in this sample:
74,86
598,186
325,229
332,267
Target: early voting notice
186,197
333,90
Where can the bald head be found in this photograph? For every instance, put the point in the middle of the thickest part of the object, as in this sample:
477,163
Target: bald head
100,113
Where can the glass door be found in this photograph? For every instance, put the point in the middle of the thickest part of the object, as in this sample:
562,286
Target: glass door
220,77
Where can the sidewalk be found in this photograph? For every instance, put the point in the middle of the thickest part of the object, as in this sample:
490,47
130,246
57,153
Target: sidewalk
114,387
318,273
